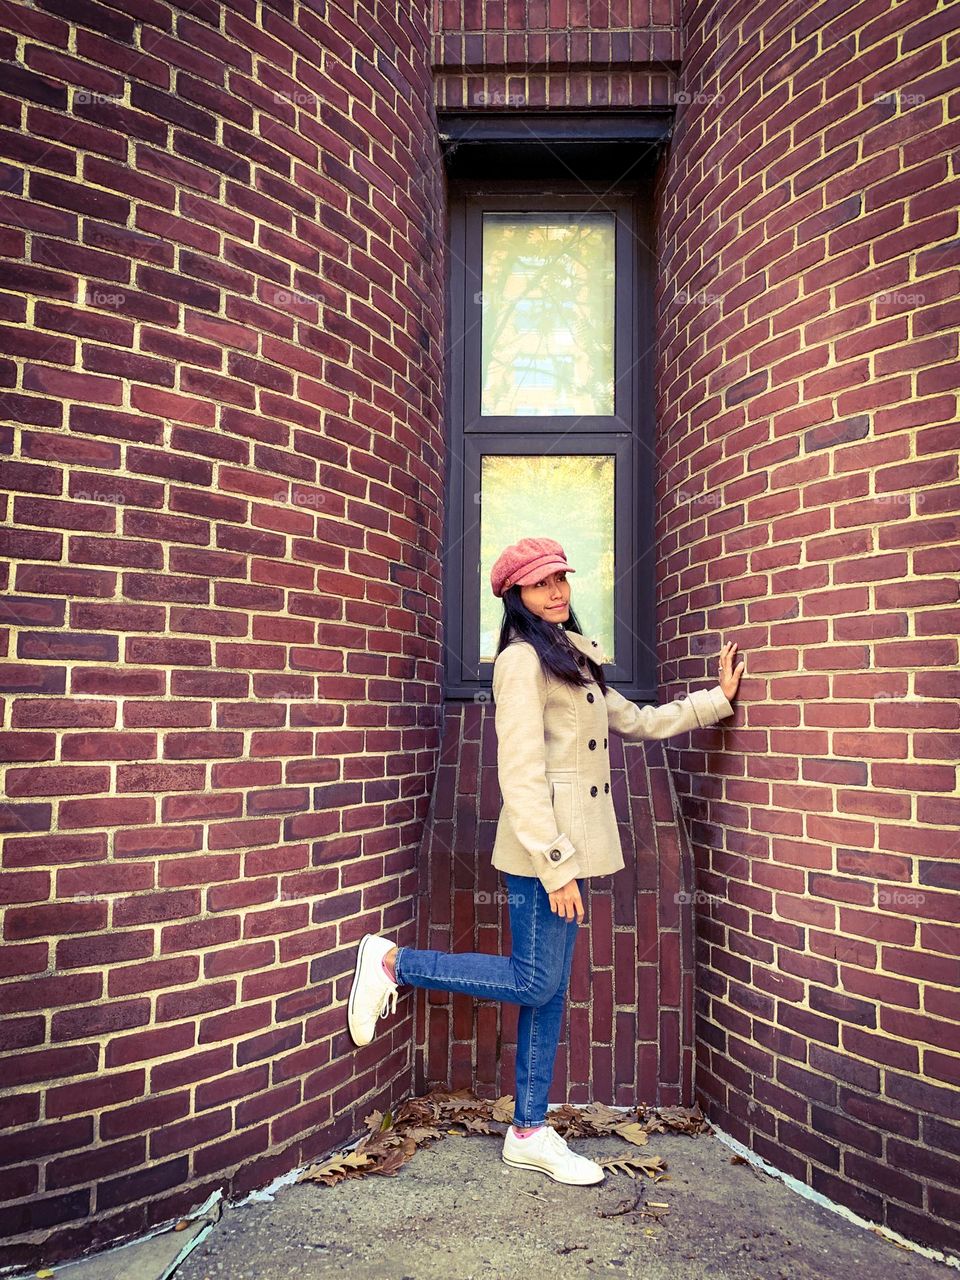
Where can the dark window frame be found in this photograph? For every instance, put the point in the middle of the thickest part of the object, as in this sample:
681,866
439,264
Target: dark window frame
628,434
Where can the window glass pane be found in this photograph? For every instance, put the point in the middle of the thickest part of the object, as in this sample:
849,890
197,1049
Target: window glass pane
567,497
547,314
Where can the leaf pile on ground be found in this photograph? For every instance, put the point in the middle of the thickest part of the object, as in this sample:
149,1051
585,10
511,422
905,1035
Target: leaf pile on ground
394,1136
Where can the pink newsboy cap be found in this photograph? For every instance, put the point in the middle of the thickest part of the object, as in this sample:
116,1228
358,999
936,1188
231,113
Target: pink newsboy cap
526,562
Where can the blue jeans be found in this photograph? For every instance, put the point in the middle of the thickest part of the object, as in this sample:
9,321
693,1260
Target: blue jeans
535,976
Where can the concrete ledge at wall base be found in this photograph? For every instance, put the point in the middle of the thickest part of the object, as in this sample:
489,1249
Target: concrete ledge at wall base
819,1198
155,1256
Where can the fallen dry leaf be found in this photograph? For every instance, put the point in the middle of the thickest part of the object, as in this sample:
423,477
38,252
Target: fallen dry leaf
628,1162
632,1132
337,1168
599,1114
476,1125
502,1110
750,1165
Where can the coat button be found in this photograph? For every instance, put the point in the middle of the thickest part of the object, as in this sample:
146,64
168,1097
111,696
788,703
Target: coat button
589,697
555,855
593,791
594,643
606,787
604,742
592,744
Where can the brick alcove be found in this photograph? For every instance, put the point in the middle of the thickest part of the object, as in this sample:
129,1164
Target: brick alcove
628,1034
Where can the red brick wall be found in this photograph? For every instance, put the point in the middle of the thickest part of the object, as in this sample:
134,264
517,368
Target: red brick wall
220,373
808,509
503,54
628,1033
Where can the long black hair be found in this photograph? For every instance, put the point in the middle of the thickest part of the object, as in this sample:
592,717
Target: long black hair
556,653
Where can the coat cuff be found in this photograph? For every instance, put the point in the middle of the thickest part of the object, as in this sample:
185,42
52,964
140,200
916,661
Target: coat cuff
721,702
558,864
710,705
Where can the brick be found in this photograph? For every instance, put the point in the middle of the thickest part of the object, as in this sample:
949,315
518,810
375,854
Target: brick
93,1165
240,894
16,961
44,1212
251,955
140,1045
145,1115
91,1095
234,1023
42,781
48,1064
190,1133
41,993
914,1026
54,918
142,1184
199,934
98,880
176,1005
46,1139
199,1065
104,949
154,976
269,1044
149,908
27,886
79,197
230,1151
200,870
240,1084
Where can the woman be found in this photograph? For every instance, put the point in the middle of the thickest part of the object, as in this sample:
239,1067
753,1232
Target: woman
557,827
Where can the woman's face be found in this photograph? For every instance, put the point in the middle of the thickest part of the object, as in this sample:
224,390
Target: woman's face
549,598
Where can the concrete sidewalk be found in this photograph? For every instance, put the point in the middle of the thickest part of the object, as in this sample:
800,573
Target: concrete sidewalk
456,1212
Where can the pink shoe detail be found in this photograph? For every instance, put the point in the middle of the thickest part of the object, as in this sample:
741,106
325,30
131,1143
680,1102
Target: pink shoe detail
528,1134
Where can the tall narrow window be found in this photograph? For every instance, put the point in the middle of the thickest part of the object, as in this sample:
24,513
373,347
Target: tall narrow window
548,356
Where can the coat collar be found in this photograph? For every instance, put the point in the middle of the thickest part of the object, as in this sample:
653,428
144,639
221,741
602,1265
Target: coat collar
589,645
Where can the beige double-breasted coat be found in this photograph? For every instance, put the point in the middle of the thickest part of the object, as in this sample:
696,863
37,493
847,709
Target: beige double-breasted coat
558,820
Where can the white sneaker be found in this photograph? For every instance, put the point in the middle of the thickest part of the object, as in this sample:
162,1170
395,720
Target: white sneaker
372,995
547,1151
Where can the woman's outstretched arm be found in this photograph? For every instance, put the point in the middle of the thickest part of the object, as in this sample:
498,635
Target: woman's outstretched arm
695,711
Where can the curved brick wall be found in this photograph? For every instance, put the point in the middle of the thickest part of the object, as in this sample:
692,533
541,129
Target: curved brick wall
807,508
221,360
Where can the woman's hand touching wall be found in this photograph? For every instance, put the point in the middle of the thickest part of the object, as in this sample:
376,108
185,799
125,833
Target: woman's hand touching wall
730,676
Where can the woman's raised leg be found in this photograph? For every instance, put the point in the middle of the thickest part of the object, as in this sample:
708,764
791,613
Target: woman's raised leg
529,976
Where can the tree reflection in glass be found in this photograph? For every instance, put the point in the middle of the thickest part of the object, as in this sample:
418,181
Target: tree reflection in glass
547,314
